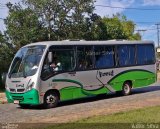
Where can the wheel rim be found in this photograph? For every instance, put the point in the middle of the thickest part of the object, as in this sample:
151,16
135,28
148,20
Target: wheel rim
50,99
126,88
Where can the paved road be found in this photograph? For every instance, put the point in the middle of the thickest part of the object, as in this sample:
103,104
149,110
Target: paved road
83,108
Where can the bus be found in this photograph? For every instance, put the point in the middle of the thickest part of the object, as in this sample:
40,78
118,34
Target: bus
46,73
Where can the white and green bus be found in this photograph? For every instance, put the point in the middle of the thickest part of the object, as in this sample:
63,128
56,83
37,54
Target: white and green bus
53,71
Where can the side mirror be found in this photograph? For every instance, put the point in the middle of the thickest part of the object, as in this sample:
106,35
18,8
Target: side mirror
3,76
50,57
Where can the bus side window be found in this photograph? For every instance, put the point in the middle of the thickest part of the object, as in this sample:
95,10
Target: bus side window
145,54
84,57
63,61
126,55
104,57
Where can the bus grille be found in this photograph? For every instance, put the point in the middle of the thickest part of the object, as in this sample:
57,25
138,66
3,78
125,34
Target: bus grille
20,90
20,98
12,90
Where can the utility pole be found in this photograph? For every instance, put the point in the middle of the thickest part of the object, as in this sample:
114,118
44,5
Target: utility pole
158,33
142,30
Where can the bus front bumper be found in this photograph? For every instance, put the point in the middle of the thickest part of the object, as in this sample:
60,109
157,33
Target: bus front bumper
29,97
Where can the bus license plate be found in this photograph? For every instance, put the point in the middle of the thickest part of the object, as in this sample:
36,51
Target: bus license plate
16,102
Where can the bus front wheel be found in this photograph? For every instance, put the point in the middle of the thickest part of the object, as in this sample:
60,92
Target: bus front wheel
126,90
51,99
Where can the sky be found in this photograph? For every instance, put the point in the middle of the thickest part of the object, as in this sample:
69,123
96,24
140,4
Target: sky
144,13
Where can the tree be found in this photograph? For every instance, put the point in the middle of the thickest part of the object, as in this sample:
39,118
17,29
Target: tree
82,12
6,55
116,27
128,28
63,18
6,52
23,26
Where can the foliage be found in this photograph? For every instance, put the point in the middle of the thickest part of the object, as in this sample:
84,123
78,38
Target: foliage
6,55
23,26
144,115
38,20
116,27
63,19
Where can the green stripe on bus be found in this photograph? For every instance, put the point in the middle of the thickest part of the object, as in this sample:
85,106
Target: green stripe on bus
73,92
139,78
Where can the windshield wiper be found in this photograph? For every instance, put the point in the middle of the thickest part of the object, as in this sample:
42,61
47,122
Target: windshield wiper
10,73
23,67
24,74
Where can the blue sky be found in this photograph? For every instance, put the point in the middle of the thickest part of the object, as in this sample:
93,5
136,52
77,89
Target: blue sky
137,16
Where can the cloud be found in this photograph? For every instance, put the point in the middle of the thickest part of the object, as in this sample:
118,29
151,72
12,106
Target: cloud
151,2
104,11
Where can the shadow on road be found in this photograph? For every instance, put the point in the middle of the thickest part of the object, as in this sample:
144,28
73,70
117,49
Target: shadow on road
98,97
145,89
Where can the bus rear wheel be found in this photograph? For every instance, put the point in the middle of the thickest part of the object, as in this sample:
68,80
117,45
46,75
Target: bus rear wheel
126,90
51,99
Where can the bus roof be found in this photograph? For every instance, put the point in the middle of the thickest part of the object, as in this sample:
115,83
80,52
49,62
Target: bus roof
107,42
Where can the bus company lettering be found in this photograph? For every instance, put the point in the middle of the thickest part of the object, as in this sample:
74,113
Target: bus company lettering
111,73
22,86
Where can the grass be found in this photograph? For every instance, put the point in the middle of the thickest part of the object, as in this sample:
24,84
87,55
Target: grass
141,118
145,115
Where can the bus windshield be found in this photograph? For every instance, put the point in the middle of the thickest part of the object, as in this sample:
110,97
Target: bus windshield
26,61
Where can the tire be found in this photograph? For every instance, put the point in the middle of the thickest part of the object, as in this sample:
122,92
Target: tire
51,99
119,93
24,106
126,90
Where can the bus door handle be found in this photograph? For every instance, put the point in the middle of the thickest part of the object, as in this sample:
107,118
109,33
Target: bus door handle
72,73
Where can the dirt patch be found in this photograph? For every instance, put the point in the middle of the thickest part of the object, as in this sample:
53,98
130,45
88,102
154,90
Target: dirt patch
3,99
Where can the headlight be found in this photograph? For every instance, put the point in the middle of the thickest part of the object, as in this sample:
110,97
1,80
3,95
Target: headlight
30,86
6,87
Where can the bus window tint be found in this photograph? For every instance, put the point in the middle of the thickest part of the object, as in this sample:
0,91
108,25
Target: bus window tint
84,57
104,56
145,54
126,55
63,60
